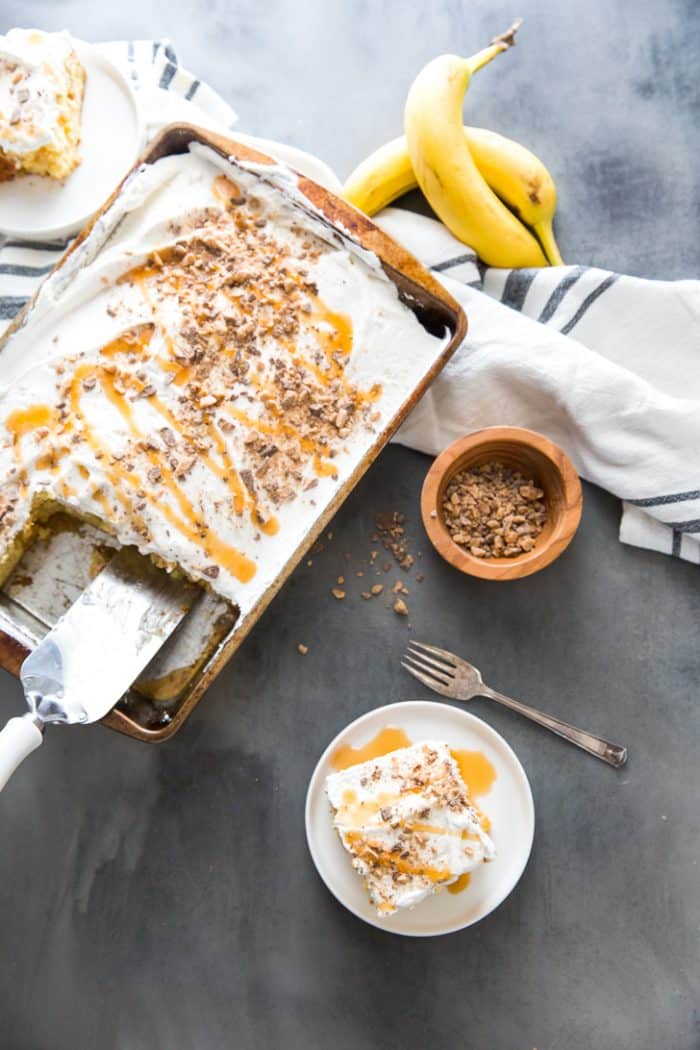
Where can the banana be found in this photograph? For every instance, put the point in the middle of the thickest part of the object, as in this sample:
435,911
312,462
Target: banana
446,171
385,175
513,172
521,180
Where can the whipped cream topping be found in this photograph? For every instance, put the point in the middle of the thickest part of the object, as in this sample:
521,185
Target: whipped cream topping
203,374
33,77
408,824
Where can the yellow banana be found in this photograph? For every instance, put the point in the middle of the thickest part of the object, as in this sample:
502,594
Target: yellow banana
382,177
521,180
446,171
515,175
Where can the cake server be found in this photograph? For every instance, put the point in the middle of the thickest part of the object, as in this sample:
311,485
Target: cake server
88,660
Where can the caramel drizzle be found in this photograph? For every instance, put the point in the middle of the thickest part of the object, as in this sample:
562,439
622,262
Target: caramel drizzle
23,421
332,331
190,524
363,813
226,470
374,854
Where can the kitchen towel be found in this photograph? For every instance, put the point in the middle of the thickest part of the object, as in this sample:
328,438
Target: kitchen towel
608,366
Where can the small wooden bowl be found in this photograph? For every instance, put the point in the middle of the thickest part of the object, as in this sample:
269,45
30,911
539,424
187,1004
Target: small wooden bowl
536,457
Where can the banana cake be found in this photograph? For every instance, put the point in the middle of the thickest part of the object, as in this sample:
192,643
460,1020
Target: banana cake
408,823
203,373
41,95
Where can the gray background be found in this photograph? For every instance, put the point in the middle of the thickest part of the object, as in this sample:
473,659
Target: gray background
162,897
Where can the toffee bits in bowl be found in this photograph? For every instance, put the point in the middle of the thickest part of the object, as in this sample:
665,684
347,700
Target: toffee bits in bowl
501,503
494,511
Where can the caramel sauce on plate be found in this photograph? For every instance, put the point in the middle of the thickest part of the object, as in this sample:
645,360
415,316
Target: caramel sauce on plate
478,774
461,883
391,738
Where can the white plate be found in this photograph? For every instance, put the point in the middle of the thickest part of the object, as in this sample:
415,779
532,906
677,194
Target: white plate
306,163
34,207
508,805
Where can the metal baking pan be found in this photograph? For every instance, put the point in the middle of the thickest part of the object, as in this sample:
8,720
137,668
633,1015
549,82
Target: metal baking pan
67,553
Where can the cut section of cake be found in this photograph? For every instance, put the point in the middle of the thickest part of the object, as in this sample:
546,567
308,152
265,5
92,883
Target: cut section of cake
42,84
408,823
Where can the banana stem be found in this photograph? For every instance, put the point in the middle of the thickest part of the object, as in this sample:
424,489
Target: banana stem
499,44
508,38
545,234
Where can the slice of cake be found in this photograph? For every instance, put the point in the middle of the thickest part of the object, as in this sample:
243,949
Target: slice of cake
408,823
41,97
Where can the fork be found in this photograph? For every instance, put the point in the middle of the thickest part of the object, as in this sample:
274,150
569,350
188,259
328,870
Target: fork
451,676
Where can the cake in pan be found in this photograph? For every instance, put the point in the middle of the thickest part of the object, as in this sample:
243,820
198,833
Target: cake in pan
41,95
203,373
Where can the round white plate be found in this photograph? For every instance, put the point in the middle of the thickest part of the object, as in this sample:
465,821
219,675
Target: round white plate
508,805
34,207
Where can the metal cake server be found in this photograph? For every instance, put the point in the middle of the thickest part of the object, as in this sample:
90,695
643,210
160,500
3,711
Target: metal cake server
88,660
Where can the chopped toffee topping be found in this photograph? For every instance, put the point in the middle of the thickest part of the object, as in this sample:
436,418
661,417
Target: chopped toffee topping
242,367
493,511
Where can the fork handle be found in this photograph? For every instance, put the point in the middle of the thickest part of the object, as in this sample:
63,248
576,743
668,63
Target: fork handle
613,754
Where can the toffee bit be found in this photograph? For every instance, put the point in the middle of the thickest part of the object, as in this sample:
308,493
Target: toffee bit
168,437
337,593
400,607
303,649
248,480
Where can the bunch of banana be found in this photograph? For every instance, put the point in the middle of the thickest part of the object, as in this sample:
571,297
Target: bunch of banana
487,189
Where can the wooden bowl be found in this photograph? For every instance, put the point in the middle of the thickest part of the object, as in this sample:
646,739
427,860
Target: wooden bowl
536,457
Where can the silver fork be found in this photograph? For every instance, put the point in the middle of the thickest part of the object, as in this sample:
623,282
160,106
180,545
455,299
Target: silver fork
451,676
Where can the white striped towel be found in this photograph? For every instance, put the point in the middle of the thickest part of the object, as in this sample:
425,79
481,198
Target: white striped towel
607,366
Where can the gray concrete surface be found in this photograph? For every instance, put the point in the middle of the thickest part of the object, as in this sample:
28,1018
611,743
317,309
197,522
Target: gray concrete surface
162,898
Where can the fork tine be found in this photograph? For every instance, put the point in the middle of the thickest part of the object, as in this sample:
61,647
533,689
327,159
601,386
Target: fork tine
446,669
430,682
426,669
449,658
439,676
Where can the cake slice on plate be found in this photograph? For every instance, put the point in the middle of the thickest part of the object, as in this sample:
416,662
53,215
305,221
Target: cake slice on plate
407,821
42,84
